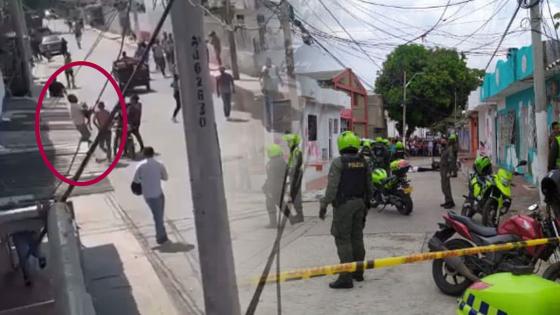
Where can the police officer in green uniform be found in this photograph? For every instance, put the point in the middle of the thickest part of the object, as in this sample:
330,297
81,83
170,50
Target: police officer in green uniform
455,152
381,154
348,190
272,188
295,163
554,145
399,152
445,165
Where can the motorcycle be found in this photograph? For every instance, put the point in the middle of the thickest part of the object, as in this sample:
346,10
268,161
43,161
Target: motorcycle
477,188
454,275
497,197
394,189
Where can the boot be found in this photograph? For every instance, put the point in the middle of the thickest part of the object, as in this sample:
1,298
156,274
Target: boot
449,205
358,276
341,283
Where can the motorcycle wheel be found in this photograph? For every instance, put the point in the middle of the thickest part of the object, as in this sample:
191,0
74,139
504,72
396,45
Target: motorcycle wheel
489,213
552,273
448,280
406,206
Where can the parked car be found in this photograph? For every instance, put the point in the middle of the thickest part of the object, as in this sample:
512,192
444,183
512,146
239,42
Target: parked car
51,45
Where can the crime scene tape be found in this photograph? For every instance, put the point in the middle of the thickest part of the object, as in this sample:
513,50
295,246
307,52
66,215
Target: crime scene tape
329,270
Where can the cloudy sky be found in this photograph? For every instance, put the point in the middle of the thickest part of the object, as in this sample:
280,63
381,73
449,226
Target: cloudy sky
474,27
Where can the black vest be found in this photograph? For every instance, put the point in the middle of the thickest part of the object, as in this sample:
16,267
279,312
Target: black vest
353,179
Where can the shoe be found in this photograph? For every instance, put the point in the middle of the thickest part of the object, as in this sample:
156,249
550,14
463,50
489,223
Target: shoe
449,205
341,284
358,277
443,205
162,240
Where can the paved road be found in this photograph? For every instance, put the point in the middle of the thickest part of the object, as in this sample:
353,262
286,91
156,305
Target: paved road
406,289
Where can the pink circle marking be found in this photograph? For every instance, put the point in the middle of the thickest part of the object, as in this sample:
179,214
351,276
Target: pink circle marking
38,124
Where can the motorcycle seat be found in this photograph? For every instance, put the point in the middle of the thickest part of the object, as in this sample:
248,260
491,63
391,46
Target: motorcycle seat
474,227
499,239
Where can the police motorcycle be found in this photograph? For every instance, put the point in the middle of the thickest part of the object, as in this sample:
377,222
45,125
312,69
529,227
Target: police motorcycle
478,184
394,189
453,275
497,197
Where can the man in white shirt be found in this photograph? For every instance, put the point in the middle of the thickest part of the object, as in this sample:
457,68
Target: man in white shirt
149,173
79,116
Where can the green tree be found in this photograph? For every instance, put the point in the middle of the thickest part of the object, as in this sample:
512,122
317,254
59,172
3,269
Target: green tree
431,95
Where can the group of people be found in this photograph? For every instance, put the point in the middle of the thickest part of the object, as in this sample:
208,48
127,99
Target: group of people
82,116
163,52
417,146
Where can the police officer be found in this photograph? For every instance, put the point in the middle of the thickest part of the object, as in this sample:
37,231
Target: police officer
399,152
381,154
272,188
295,164
455,151
348,190
445,165
554,144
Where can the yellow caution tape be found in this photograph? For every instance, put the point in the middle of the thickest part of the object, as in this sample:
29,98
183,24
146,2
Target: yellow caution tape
329,270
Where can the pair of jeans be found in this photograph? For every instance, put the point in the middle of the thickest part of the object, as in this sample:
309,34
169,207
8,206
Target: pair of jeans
84,132
157,206
268,102
135,131
177,97
105,142
226,98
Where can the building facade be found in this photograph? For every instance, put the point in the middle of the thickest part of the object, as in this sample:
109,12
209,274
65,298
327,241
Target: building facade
506,111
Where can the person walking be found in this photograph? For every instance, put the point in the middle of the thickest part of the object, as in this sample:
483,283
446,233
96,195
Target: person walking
295,174
80,118
270,80
149,174
134,111
159,57
70,80
272,188
445,173
118,123
177,96
78,34
348,191
63,46
225,87
169,49
554,145
101,117
217,45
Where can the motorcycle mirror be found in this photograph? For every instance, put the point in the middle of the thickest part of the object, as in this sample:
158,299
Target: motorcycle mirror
533,207
522,163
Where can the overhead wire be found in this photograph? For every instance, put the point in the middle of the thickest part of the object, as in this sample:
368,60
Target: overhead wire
348,33
503,36
483,25
402,7
433,27
552,20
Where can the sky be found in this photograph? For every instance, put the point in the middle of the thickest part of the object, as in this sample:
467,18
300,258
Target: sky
474,27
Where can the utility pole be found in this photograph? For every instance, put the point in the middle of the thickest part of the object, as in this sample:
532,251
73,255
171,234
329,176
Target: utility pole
22,41
540,92
228,18
205,167
135,21
285,17
455,108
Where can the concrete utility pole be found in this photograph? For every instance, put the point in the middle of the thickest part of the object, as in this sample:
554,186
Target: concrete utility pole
205,167
228,18
405,86
540,93
22,40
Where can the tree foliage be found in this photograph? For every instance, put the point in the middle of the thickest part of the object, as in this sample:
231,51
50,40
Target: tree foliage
431,94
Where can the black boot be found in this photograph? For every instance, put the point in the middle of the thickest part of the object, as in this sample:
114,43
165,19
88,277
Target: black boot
358,276
449,205
341,283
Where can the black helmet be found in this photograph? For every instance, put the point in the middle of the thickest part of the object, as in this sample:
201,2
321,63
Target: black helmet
550,186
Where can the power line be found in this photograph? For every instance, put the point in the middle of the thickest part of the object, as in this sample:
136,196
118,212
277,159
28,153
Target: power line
552,20
433,27
401,7
503,36
348,33
483,25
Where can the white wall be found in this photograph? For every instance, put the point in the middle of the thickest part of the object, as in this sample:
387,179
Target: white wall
309,87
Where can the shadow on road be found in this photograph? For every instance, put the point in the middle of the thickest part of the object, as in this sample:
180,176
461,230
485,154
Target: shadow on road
107,283
171,247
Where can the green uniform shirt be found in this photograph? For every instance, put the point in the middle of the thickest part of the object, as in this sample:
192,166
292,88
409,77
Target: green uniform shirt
335,173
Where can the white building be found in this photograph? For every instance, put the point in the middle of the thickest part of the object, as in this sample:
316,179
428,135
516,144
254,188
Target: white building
484,116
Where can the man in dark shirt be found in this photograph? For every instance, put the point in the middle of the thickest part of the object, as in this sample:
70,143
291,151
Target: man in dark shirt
57,89
225,87
554,143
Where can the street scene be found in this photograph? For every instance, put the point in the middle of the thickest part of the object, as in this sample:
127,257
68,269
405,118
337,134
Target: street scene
273,156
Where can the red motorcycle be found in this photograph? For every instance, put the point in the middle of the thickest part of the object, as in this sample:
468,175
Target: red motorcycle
454,275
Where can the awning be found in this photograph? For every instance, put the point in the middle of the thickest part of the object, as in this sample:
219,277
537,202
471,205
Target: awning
346,113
